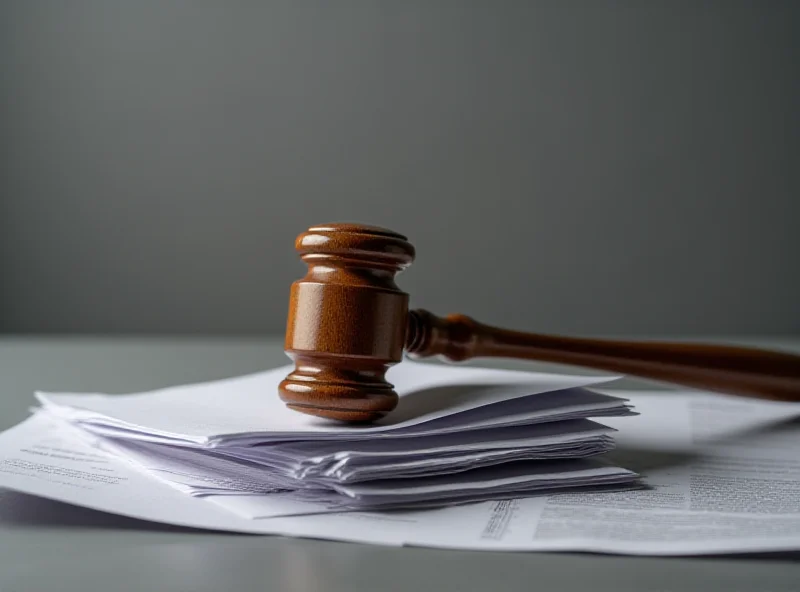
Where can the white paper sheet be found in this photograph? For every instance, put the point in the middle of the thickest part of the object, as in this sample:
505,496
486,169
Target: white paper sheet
238,410
739,493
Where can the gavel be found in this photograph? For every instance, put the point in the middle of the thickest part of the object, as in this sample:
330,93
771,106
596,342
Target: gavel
349,323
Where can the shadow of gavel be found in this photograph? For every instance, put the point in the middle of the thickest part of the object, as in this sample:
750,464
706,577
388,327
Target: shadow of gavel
349,323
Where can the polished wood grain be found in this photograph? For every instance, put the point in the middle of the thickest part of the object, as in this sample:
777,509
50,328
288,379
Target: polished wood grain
727,369
349,323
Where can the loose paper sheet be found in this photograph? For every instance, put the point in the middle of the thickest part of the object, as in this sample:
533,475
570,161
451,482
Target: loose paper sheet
725,474
433,399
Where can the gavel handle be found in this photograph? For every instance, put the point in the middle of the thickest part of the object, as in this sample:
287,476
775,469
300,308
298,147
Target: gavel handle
732,370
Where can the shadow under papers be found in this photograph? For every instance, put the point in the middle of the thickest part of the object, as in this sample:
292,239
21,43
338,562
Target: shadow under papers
433,399
756,436
430,400
30,511
643,460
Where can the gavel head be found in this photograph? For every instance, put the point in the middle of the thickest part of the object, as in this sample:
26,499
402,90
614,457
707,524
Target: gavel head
347,322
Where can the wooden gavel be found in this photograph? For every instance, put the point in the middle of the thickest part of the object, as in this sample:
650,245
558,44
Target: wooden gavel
349,323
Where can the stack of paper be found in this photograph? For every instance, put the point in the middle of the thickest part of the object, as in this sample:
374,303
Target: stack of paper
458,435
721,474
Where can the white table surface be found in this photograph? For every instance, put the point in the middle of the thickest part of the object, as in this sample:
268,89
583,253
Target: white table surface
46,545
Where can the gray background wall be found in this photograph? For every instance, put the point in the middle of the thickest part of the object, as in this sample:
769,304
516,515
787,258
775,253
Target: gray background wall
578,167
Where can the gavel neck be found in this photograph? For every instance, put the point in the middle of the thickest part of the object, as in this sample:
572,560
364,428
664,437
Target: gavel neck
456,337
